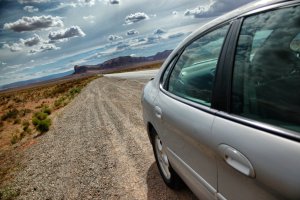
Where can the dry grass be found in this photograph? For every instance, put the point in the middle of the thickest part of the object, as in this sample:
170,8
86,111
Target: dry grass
27,113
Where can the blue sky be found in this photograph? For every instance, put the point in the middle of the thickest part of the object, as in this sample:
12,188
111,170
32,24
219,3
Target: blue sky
43,37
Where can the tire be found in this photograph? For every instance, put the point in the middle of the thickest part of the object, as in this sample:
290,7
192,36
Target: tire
168,174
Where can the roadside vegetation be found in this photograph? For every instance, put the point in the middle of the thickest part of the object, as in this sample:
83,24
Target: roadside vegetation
28,113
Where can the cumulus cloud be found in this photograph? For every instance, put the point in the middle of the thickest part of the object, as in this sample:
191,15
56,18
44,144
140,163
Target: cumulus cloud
114,38
86,2
44,47
136,17
175,35
36,39
74,31
32,1
89,18
34,23
114,1
132,32
14,47
29,42
30,9
214,8
159,31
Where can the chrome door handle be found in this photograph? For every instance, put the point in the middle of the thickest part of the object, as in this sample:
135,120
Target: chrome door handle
158,112
237,160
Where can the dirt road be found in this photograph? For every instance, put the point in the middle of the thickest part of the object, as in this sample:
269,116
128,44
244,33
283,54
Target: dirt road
97,148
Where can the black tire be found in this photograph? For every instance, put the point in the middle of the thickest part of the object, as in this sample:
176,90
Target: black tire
173,180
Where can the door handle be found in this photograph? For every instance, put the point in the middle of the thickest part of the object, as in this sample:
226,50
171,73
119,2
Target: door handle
237,160
158,112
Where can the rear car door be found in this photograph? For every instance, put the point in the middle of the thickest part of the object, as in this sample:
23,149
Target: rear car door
185,117
257,136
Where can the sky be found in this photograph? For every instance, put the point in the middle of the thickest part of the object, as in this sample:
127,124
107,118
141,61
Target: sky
44,37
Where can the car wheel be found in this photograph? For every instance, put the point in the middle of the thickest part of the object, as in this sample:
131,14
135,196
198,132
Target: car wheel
168,174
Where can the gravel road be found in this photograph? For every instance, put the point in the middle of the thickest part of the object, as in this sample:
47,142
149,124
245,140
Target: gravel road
97,148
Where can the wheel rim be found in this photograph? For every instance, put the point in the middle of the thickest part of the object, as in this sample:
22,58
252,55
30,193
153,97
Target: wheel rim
162,157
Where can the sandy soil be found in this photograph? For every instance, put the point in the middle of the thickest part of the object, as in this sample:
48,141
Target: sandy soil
97,148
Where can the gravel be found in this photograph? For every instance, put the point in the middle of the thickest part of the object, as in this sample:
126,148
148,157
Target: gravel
97,148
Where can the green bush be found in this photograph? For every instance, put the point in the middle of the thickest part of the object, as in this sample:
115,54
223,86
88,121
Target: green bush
43,125
35,121
11,114
74,91
40,115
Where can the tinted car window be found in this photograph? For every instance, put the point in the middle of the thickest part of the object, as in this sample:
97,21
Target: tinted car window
193,75
266,77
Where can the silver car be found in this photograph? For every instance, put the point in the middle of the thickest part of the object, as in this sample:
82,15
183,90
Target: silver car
223,112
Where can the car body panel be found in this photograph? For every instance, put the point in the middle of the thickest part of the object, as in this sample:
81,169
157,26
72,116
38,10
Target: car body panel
257,146
196,135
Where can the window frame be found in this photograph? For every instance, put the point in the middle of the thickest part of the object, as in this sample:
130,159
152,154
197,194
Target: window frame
179,53
223,90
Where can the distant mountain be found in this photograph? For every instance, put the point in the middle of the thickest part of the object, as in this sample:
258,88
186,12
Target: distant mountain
121,62
36,80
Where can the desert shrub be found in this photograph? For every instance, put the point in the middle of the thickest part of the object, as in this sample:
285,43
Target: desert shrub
11,114
59,102
43,125
26,128
35,121
17,121
15,138
40,115
24,112
17,100
74,91
46,110
59,89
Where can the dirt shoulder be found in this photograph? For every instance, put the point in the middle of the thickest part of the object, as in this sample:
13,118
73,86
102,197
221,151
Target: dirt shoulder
96,149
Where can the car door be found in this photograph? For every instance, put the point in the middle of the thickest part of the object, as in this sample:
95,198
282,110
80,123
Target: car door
257,135
184,112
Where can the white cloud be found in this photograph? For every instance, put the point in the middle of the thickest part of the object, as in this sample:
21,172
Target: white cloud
44,47
114,38
36,39
136,17
32,1
159,31
74,31
34,23
174,13
132,32
89,18
214,8
175,35
114,1
30,9
86,2
14,47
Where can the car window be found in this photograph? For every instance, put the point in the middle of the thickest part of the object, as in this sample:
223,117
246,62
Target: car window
266,76
193,74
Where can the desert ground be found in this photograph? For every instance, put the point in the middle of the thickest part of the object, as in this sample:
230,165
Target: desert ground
96,148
